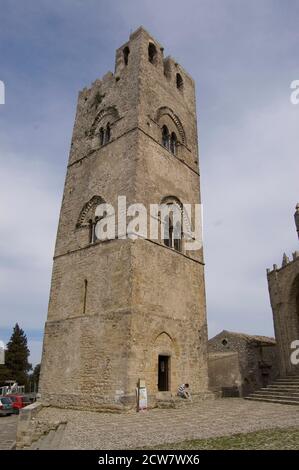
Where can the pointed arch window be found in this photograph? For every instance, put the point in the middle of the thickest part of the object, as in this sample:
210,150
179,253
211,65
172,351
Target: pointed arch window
177,236
165,137
105,134
102,134
173,226
179,82
126,53
173,143
108,133
152,53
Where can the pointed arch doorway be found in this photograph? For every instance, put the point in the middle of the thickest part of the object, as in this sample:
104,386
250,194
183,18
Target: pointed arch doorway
163,373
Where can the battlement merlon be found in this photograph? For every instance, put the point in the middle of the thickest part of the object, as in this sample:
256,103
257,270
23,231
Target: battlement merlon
168,65
143,39
285,259
285,262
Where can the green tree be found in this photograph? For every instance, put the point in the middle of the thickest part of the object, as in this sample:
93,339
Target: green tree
4,375
16,358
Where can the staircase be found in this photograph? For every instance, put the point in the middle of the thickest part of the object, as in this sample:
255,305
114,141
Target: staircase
51,440
284,390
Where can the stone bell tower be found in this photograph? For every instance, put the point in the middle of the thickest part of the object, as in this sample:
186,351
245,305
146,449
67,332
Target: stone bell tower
126,309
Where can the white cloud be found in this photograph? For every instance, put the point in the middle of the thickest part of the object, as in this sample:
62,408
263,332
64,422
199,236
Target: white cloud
29,202
250,190
35,347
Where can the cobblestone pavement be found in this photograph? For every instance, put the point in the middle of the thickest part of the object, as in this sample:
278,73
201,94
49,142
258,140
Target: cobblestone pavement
8,428
90,430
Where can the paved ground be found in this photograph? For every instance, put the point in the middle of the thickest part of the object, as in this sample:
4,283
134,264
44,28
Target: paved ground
89,430
8,425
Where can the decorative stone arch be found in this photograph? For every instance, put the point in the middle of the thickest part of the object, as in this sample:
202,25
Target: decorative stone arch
89,207
164,345
111,113
185,219
165,111
160,334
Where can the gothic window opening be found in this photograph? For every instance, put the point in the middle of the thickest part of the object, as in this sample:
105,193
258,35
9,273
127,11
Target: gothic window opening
152,53
165,137
179,82
173,143
126,53
172,228
90,226
108,134
85,296
105,134
94,229
168,232
101,136
177,236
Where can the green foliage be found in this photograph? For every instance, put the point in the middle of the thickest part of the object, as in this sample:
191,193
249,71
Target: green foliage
16,366
270,439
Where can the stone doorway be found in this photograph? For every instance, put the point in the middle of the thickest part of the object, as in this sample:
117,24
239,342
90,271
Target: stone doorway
163,373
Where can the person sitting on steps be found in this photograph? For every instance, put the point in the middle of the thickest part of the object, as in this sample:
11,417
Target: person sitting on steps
183,391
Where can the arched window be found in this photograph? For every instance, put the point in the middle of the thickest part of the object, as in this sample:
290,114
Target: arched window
126,53
85,295
165,137
96,219
90,226
173,143
177,236
152,53
108,134
172,221
179,82
168,231
92,233
101,136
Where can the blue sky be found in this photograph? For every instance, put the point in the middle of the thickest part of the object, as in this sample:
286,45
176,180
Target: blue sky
243,57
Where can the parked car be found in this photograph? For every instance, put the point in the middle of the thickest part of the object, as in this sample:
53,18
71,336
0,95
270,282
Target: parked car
18,402
6,407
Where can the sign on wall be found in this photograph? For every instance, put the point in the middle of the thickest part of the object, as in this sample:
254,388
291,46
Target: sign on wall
141,396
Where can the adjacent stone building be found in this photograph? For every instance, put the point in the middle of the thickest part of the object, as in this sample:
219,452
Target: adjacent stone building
283,285
240,363
126,309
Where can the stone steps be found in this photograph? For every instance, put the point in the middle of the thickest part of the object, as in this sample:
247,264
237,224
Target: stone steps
58,436
284,401
288,382
276,396
288,379
284,390
292,393
290,388
51,440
